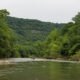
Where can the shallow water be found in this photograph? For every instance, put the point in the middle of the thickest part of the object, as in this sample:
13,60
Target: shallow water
39,70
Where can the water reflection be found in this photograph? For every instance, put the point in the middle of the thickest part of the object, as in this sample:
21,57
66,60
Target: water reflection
40,71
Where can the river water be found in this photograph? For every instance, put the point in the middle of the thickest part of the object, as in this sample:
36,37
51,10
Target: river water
40,70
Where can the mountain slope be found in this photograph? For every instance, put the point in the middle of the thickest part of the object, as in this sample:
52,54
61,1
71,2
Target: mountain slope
31,30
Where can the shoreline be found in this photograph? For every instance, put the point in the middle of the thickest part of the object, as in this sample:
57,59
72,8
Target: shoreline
18,60
4,62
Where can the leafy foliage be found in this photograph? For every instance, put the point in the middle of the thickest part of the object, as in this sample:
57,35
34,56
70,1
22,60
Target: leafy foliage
6,36
34,38
31,30
64,42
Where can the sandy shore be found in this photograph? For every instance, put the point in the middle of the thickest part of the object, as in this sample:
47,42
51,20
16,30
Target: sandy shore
4,62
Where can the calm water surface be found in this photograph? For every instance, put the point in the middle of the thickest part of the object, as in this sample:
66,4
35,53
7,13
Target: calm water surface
40,71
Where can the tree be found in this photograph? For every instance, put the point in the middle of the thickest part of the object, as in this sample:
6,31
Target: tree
76,19
3,13
6,36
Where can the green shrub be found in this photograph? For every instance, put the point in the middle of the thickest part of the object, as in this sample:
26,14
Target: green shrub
75,48
76,57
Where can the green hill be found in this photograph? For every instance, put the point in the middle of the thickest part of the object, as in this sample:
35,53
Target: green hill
30,30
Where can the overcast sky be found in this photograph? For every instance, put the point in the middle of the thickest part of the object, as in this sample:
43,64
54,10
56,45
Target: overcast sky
45,10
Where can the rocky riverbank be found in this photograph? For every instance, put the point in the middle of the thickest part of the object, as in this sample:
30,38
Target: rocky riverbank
18,60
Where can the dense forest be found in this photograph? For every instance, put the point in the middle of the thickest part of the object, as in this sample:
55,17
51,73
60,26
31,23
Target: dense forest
33,38
64,43
28,30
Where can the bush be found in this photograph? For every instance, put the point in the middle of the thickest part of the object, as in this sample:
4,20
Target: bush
76,57
75,48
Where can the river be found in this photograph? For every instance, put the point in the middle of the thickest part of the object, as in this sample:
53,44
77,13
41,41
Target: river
40,70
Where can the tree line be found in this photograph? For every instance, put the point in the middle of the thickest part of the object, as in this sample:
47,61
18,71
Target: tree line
62,42
30,30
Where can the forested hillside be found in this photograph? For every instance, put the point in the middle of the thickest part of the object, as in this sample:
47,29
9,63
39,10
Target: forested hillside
63,42
18,36
29,30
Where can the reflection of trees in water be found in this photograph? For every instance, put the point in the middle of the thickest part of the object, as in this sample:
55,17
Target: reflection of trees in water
3,78
41,71
5,70
64,71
